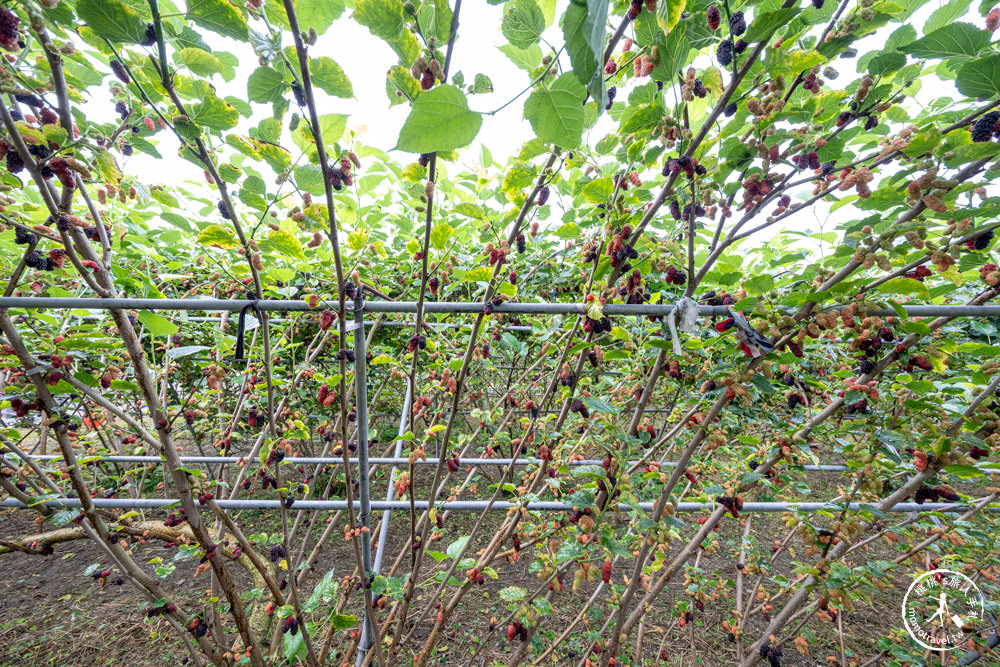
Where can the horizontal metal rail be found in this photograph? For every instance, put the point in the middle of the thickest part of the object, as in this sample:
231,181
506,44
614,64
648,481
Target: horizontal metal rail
480,505
385,460
287,306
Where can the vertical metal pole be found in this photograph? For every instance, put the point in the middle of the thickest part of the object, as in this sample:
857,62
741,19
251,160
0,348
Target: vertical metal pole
361,394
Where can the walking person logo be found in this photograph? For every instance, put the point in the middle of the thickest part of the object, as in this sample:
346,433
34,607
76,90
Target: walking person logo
941,607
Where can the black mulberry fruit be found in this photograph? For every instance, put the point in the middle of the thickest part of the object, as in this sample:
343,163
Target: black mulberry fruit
737,24
300,97
725,52
149,38
730,109
119,71
982,129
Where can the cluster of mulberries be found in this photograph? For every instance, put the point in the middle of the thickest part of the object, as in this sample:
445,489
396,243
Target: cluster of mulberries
197,627
516,630
426,72
812,83
417,341
175,519
919,273
34,260
989,274
21,408
579,407
676,276
773,655
597,326
277,553
566,377
732,505
157,611
346,355
981,242
684,163
919,361
454,463
341,175
986,127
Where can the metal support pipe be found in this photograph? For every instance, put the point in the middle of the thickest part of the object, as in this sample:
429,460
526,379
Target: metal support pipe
383,531
454,307
480,505
375,460
361,394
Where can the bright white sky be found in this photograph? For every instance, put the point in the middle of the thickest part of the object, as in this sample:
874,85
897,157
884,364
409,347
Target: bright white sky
366,58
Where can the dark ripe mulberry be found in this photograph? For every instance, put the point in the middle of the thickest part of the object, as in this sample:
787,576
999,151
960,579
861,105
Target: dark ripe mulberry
725,52
740,46
611,97
865,366
543,196
843,118
149,37
223,210
119,71
300,97
8,29
713,16
730,109
121,110
424,159
871,122
33,259
520,243
33,101
699,88
277,553
48,117
23,237
675,209
982,241
14,162
982,129
737,24
126,149
784,200
427,80
16,114
634,9
818,4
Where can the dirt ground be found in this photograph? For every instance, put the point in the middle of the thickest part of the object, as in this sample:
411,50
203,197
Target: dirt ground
51,614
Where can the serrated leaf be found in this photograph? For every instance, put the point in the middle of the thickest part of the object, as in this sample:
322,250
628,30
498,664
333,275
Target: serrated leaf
329,77
759,284
199,61
316,14
440,120
343,621
114,20
440,235
456,547
218,236
556,112
218,16
583,29
282,243
980,78
764,25
904,286
598,190
266,85
508,594
214,113
955,39
523,23
384,18
157,325
527,59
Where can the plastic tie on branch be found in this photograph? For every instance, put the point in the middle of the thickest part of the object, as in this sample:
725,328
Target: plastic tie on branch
241,328
683,316
748,336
